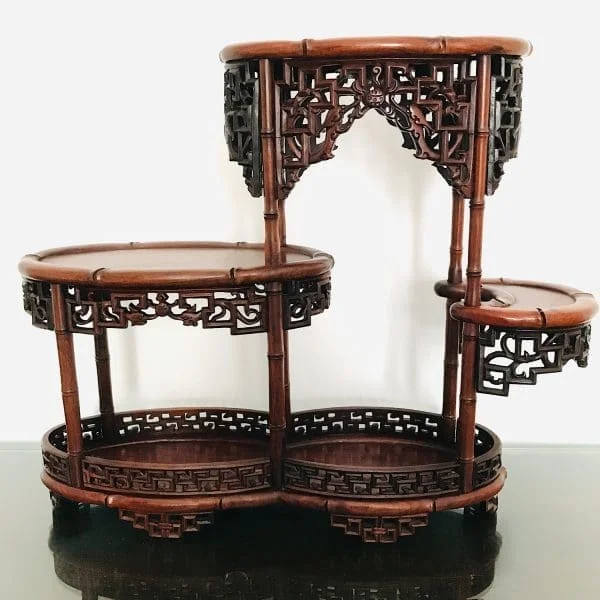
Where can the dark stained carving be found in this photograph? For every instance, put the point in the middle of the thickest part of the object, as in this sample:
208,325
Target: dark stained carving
518,356
431,102
303,299
382,530
166,525
505,116
38,303
242,124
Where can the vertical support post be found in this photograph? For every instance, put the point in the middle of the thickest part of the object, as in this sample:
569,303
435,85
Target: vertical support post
68,383
453,326
107,409
275,334
468,395
286,352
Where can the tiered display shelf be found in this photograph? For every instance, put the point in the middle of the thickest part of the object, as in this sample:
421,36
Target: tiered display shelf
378,471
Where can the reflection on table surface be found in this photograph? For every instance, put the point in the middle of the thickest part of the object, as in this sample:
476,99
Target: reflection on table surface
272,553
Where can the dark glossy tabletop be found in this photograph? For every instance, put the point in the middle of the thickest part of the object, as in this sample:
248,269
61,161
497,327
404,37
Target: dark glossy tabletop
546,545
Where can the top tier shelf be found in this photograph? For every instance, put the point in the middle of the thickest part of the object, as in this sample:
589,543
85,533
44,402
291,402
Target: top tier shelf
376,47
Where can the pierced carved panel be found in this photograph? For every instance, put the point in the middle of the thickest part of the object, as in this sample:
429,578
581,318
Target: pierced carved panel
156,482
382,530
334,482
56,466
166,525
431,102
517,356
303,299
505,116
37,301
242,122
242,309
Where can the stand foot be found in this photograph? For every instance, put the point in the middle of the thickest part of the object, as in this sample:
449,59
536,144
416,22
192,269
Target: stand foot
166,525
381,530
62,504
487,508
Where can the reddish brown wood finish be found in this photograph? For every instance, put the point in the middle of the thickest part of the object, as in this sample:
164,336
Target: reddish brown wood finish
105,396
468,396
376,47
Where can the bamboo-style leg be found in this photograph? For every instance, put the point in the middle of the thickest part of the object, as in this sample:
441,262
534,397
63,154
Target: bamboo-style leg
452,326
68,382
275,334
468,395
107,409
286,352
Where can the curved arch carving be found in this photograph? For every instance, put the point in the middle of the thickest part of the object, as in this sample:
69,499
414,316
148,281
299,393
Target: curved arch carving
431,102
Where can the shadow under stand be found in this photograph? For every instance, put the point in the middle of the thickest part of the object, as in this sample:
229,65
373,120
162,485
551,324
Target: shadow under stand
379,472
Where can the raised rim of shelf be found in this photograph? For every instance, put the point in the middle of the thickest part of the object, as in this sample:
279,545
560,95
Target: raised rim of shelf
235,263
522,304
376,47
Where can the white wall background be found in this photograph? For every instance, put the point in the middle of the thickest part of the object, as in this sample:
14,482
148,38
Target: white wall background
112,130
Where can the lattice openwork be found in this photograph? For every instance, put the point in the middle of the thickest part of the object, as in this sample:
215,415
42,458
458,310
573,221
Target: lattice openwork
303,299
241,309
505,115
166,525
242,121
37,301
381,530
518,356
431,102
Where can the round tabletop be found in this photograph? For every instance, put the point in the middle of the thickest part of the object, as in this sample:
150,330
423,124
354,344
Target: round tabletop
528,304
377,47
163,264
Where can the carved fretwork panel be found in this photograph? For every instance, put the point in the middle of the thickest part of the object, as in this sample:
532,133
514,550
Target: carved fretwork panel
431,102
38,303
242,124
517,356
242,310
505,116
383,530
166,525
303,299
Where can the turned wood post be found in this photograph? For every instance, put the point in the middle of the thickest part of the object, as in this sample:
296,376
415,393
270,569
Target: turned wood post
107,409
452,325
68,383
286,352
468,395
275,334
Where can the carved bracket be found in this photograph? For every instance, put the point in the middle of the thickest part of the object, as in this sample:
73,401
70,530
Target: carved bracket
431,102
382,530
166,525
505,116
516,356
303,299
242,122
37,301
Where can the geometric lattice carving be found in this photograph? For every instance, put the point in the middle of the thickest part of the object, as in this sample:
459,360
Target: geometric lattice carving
56,466
303,299
207,480
487,507
38,303
365,421
518,356
431,102
426,482
205,421
242,309
166,525
382,530
242,124
505,116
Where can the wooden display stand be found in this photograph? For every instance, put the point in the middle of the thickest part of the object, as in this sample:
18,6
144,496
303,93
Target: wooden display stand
379,471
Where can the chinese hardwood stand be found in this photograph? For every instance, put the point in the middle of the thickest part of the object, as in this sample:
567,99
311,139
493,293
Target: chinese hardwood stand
379,472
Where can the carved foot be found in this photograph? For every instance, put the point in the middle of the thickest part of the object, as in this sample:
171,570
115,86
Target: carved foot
166,525
382,530
487,508
62,504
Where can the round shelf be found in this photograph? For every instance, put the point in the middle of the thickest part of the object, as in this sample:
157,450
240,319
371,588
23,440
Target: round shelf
171,264
384,453
522,304
376,47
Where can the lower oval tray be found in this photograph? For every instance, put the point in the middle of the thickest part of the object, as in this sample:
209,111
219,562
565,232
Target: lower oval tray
380,453
171,452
